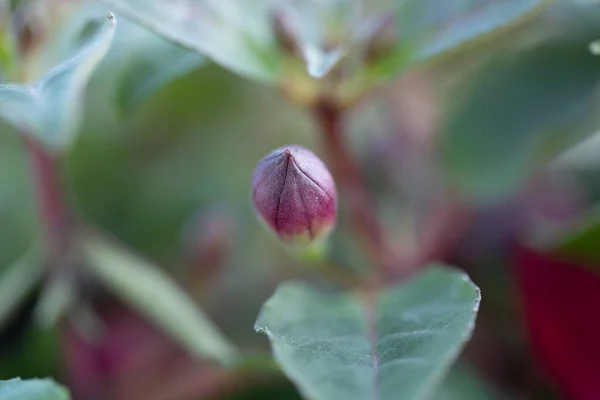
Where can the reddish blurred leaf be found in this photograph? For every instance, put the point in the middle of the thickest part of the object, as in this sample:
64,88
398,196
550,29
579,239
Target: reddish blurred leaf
132,360
561,302
151,292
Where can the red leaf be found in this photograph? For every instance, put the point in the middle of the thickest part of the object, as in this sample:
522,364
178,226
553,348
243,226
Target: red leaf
561,302
131,360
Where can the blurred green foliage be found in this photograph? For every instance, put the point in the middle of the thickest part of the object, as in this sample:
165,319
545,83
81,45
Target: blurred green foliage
149,157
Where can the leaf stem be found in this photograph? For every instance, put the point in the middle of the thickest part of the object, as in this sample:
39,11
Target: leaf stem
330,120
52,209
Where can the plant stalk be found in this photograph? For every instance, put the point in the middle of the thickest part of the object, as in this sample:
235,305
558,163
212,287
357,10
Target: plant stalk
347,173
51,207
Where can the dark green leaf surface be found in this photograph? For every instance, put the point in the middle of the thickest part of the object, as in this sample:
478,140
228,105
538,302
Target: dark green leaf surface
337,346
582,245
519,112
50,109
32,389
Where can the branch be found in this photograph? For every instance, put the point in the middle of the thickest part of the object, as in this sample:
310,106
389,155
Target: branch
52,210
347,173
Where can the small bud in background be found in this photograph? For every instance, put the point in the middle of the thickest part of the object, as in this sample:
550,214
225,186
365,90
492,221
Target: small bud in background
207,239
294,194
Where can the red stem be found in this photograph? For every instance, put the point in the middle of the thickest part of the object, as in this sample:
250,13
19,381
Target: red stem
347,173
52,210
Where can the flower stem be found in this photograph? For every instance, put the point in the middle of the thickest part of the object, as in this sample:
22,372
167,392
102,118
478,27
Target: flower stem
347,173
52,209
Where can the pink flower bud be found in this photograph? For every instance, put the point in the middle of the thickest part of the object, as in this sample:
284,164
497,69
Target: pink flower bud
295,195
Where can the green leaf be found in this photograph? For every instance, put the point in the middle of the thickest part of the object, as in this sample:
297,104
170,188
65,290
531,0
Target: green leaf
449,34
324,31
59,295
155,63
235,34
240,34
50,109
153,293
519,112
396,346
582,245
32,389
583,156
17,282
438,28
463,384
7,40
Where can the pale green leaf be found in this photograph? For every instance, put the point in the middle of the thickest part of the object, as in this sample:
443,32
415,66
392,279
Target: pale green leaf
399,345
584,155
518,113
56,300
437,28
325,31
18,280
153,293
154,64
235,34
429,30
32,389
50,109
240,34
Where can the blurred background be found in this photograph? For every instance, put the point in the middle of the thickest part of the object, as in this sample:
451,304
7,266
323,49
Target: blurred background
167,172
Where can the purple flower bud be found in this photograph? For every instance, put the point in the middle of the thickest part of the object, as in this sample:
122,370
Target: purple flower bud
295,195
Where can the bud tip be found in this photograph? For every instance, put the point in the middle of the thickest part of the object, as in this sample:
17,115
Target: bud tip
294,194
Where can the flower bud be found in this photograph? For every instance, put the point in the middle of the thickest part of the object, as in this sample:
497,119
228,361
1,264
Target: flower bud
294,194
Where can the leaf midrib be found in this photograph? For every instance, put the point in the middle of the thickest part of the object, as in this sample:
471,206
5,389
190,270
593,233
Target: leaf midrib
371,318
